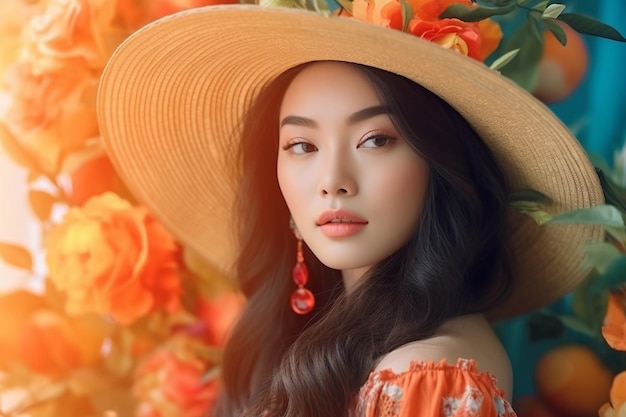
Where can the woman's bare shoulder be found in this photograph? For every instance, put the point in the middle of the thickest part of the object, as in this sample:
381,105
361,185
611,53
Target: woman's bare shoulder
467,337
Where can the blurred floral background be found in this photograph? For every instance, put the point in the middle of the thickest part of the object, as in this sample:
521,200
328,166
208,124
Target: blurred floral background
104,313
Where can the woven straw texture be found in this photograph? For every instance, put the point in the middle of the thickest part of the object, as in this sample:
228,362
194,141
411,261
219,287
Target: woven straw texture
172,96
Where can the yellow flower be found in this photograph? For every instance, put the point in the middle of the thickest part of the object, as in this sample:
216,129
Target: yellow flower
113,258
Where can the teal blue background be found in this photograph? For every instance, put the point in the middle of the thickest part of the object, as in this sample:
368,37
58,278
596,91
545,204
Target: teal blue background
598,105
596,112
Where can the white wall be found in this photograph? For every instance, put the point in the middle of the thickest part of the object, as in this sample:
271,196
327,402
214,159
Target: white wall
16,224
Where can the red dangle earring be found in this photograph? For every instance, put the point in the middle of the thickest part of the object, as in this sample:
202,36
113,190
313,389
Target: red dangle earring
302,299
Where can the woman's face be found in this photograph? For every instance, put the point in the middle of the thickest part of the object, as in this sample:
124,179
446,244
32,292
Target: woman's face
352,183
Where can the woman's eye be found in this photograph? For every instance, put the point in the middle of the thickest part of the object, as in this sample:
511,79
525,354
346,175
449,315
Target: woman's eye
377,141
300,148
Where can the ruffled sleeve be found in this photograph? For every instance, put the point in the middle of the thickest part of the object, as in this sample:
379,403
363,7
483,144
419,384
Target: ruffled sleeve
429,389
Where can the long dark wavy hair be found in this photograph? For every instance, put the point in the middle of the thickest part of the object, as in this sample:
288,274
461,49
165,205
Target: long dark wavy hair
277,363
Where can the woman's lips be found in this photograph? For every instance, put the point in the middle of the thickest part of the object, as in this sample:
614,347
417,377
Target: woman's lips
341,229
340,223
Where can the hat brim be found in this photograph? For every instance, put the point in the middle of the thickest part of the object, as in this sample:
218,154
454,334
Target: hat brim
173,93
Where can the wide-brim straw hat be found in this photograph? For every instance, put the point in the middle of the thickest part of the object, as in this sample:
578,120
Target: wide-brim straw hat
173,94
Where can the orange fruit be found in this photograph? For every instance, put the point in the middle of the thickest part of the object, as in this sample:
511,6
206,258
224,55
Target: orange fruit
561,68
531,406
573,381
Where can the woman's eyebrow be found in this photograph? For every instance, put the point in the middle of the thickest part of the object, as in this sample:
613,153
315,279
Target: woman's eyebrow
298,121
358,116
368,113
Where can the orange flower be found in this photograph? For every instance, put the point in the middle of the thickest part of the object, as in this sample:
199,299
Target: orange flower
53,344
11,31
614,328
172,381
15,309
164,7
490,37
474,39
110,257
133,14
430,10
49,113
76,30
385,13
219,315
86,173
450,33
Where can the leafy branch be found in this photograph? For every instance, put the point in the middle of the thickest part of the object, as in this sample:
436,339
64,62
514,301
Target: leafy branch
527,39
541,12
606,259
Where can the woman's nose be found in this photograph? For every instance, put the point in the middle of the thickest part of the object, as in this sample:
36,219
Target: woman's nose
338,176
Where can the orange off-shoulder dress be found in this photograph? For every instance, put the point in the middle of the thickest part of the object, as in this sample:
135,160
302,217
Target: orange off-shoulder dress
429,389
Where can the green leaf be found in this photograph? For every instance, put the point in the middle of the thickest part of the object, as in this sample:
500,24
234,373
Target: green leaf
533,210
407,14
503,59
474,13
618,233
601,254
277,3
534,23
523,68
541,6
497,2
529,195
16,256
556,30
577,325
553,11
603,214
613,193
590,26
599,162
345,4
614,276
319,6
590,306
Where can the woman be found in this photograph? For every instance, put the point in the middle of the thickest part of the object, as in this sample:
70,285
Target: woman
434,230
400,233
